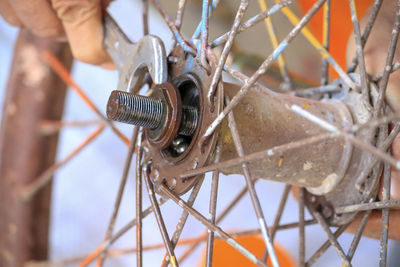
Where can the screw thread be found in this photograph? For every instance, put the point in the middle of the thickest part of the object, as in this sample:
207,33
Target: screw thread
189,121
135,109
147,112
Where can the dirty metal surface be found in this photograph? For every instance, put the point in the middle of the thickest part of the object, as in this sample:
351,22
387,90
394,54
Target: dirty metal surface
347,192
166,168
264,120
329,168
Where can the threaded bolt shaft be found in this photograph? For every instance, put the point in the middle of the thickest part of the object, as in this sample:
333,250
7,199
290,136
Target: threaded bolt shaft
135,109
147,112
189,121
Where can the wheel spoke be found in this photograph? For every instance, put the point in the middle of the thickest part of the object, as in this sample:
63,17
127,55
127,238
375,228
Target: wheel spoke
117,203
392,203
274,41
227,48
349,137
223,214
357,235
326,37
48,127
379,76
92,256
359,51
318,46
203,237
380,150
252,191
389,61
244,79
145,16
212,209
212,227
323,89
204,35
182,221
261,70
211,8
288,146
133,223
384,147
63,73
182,242
374,123
159,218
385,212
278,216
257,155
325,246
251,22
331,237
29,190
171,25
371,20
139,204
179,13
385,216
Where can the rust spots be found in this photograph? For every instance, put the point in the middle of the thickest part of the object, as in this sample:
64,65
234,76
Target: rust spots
280,161
306,106
227,138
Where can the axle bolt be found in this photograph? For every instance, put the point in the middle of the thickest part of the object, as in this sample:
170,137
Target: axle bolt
148,112
135,109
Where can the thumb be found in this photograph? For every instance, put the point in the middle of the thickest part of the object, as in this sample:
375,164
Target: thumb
82,21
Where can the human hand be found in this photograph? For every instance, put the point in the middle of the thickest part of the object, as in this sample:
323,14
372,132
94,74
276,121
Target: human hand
78,21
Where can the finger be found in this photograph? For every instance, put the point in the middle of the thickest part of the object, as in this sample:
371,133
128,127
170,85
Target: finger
82,21
39,17
374,225
7,12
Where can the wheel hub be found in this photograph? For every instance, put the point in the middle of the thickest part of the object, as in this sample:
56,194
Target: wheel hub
174,118
185,151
